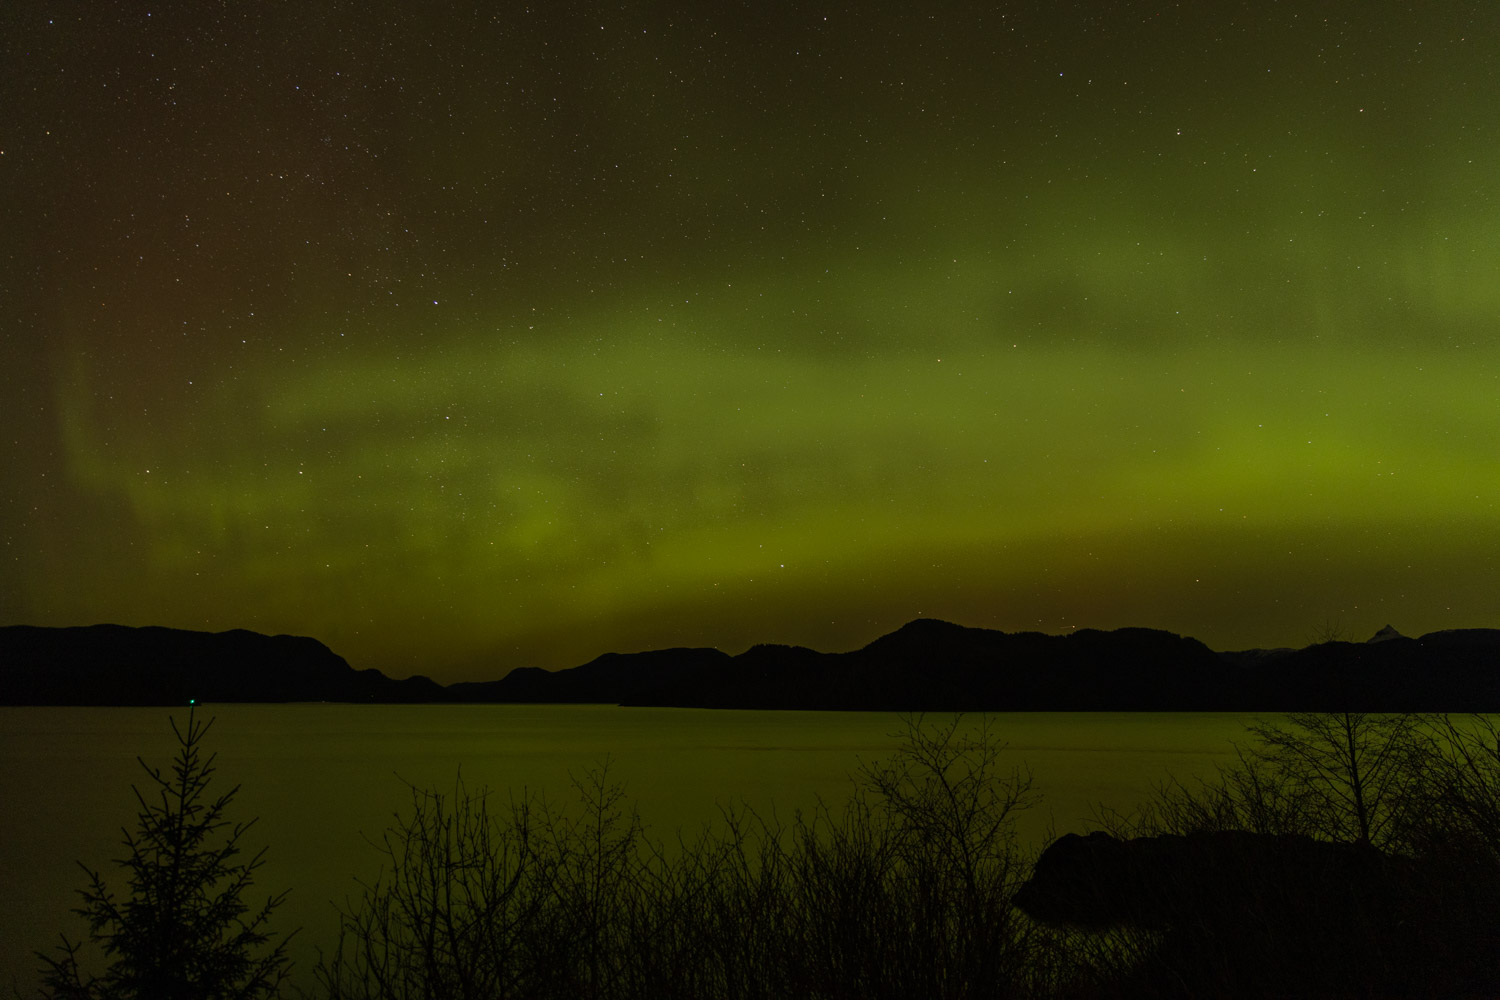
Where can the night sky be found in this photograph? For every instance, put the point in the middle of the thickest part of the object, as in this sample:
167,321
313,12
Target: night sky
464,340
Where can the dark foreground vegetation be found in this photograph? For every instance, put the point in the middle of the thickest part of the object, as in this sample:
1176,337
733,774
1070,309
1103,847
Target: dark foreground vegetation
1342,855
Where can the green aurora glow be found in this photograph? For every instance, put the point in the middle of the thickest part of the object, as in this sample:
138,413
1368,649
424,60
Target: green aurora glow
463,343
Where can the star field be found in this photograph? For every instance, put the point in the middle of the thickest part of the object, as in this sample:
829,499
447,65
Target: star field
464,339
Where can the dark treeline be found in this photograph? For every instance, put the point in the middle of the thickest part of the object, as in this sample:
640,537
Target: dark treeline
1340,855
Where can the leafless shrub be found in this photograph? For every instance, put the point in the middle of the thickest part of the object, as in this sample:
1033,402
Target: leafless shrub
903,892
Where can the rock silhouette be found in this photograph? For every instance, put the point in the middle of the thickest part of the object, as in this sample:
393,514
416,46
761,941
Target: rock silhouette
1243,914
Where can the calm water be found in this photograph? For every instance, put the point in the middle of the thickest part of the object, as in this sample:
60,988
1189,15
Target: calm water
320,777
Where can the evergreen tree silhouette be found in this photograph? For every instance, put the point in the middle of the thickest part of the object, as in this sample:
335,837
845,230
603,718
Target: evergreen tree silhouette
184,932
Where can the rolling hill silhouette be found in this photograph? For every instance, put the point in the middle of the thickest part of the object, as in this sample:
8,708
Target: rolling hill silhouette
119,665
926,665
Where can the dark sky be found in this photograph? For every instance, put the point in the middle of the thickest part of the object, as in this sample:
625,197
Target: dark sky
463,340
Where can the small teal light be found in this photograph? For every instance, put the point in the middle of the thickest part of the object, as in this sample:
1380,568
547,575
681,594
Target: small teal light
192,701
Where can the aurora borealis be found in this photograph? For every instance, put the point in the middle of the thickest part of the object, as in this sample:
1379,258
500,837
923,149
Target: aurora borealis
471,336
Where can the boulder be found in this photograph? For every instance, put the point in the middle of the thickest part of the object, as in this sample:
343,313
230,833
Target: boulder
1233,913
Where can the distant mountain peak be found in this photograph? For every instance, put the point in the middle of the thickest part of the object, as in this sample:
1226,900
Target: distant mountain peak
925,665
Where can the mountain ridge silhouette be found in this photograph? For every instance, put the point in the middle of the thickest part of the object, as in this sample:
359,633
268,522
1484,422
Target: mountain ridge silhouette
925,665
